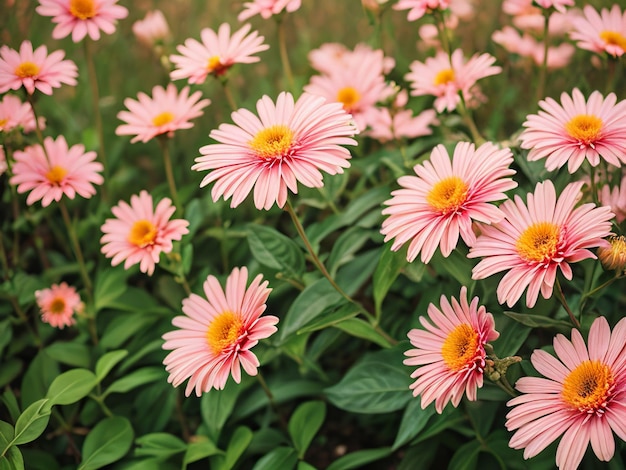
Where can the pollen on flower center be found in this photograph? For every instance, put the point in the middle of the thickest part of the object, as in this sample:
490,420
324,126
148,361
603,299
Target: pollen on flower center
585,128
444,77
273,142
142,233
83,9
3,122
539,242
224,331
162,119
588,387
460,348
448,195
56,174
57,305
349,97
613,38
26,70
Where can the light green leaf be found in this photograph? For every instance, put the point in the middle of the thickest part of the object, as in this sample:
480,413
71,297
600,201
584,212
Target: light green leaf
136,379
32,422
304,424
273,249
12,460
539,321
123,327
217,406
107,442
107,362
283,458
362,329
70,353
159,444
200,449
239,442
359,458
71,386
110,283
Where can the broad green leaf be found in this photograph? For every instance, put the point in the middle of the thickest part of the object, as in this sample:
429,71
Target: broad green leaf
6,333
239,442
348,243
123,327
159,444
71,386
199,449
359,458
107,442
482,414
110,283
362,329
387,270
273,249
10,402
70,353
107,362
283,458
305,466
32,422
217,406
38,377
466,456
353,275
38,459
304,424
12,460
10,369
512,336
450,418
457,265
539,321
7,433
136,379
413,421
331,317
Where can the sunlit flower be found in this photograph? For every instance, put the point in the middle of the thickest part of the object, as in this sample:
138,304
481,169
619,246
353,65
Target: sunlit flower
82,17
68,171
267,8
152,29
333,56
558,5
217,53
582,397
418,8
450,351
613,257
58,305
140,232
217,334
616,199
17,115
601,32
533,241
289,142
34,69
577,130
163,113
433,208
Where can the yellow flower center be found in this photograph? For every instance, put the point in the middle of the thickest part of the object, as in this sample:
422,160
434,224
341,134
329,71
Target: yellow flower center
224,331
83,9
459,348
56,174
448,195
588,387
27,70
3,122
613,38
215,66
539,242
444,77
614,256
349,97
162,119
273,142
57,305
585,128
142,233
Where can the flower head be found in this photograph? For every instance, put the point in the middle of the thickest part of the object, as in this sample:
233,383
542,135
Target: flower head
613,257
616,199
267,8
433,208
289,142
333,56
17,115
140,232
418,8
581,397
82,17
3,160
64,170
163,113
152,29
34,69
533,241
558,5
217,334
601,32
58,305
450,351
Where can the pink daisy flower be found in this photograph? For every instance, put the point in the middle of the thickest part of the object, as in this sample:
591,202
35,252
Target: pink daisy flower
433,208
82,17
558,5
163,113
34,69
267,8
58,305
69,171
601,32
289,142
418,8
217,334
152,29
577,130
332,56
444,79
139,233
17,115
533,241
450,351
217,53
616,199
582,397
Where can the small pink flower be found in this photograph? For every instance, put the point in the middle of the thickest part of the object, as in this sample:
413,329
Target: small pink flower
152,29
139,233
601,32
58,305
68,171
582,397
82,17
450,351
3,161
558,5
267,8
332,56
533,241
34,69
418,8
616,199
217,334
163,113
17,115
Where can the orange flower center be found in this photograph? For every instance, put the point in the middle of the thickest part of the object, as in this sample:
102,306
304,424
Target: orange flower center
56,174
83,9
162,119
585,128
613,38
224,331
588,387
3,122
27,70
215,66
273,142
539,242
460,347
57,305
143,233
614,256
349,97
444,77
448,195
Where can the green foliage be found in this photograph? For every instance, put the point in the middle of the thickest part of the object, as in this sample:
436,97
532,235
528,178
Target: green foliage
107,442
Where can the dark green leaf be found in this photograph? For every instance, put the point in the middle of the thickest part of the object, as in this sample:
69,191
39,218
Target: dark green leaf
38,377
123,327
110,283
136,379
238,443
512,336
107,442
348,243
331,317
273,249
304,424
465,457
199,449
413,421
71,386
539,321
217,406
362,329
359,458
70,353
387,270
283,458
10,369
159,444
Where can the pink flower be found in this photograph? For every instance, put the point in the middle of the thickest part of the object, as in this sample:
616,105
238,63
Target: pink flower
64,170
577,130
3,160
418,8
140,233
616,199
444,79
216,335
58,305
34,69
601,32
217,53
527,46
582,397
17,115
450,351
558,5
288,143
152,29
163,113
82,17
533,241
267,8
332,56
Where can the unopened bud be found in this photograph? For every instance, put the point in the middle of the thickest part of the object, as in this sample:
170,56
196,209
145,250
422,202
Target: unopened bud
373,5
613,257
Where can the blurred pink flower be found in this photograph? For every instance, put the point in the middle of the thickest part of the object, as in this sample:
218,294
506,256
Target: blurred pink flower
34,69
69,171
332,56
15,115
82,17
267,8
139,233
58,305
601,32
577,130
527,46
433,208
450,351
558,5
152,29
418,8
3,160
444,79
581,397
217,53
163,113
558,56
532,242
288,143
616,199
217,334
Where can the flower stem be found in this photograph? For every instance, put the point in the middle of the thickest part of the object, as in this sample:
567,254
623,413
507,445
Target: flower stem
76,246
440,22
31,100
169,173
469,121
561,296
284,56
270,397
229,95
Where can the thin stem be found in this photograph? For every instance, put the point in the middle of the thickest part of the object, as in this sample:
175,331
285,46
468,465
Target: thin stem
169,173
181,416
284,56
24,319
544,65
271,400
561,296
15,205
440,22
229,95
469,121
76,246
38,131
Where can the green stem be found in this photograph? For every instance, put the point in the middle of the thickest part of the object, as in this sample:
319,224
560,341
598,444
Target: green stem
15,205
469,121
561,296
169,173
270,397
544,66
77,250
229,95
181,416
440,22
38,131
284,56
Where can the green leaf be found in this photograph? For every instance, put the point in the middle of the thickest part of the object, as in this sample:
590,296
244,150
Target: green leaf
239,442
123,327
304,424
107,442
348,243
305,466
10,401
359,458
512,336
413,421
457,265
10,369
71,386
362,329
199,449
283,458
107,362
70,353
273,249
466,456
539,321
331,317
7,433
38,377
387,270
12,460
217,406
110,283
32,422
136,379
159,444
